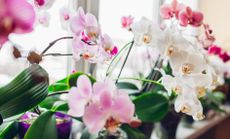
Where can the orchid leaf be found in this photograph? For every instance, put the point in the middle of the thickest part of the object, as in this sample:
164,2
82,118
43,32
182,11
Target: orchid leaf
151,107
49,102
44,127
126,85
10,131
67,83
133,133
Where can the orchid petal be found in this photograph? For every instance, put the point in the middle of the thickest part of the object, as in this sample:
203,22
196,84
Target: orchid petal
123,108
84,85
77,23
94,118
166,11
90,20
76,103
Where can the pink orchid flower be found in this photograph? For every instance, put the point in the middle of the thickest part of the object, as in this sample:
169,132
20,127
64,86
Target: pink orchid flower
108,45
207,39
43,18
112,110
84,23
86,50
64,17
168,11
80,96
89,42
17,16
101,51
189,17
126,21
101,105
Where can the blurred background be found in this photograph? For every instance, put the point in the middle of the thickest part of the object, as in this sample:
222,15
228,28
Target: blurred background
109,13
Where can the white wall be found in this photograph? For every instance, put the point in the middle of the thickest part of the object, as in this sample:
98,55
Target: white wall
217,14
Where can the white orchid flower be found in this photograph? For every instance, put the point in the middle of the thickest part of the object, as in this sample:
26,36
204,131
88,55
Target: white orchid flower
170,42
188,103
218,67
184,63
145,32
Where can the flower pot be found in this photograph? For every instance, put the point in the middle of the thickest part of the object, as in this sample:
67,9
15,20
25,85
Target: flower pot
167,128
120,134
63,122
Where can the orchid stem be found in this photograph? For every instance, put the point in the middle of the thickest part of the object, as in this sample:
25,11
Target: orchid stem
126,58
54,42
37,110
144,80
57,54
58,93
113,60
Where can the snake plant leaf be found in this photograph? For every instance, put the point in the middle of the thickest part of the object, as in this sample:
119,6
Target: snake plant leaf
44,127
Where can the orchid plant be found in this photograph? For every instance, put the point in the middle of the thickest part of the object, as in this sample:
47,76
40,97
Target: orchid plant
182,74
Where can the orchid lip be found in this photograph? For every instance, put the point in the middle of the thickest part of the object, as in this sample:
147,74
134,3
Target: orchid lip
146,38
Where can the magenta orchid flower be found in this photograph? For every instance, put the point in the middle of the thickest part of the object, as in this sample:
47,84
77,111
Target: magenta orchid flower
101,105
168,11
17,16
225,57
214,49
189,17
126,21
43,4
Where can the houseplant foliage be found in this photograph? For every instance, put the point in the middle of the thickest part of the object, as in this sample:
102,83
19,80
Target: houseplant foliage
114,107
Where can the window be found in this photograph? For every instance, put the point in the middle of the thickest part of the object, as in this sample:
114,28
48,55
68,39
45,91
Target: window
38,40
110,13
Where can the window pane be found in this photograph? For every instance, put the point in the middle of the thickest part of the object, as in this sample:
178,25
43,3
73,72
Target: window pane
110,13
39,39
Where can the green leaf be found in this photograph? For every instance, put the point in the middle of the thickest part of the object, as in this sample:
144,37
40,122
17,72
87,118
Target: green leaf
72,80
68,82
49,102
216,107
58,87
60,106
126,85
25,92
213,98
133,133
44,127
85,134
1,119
151,107
10,131
219,96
